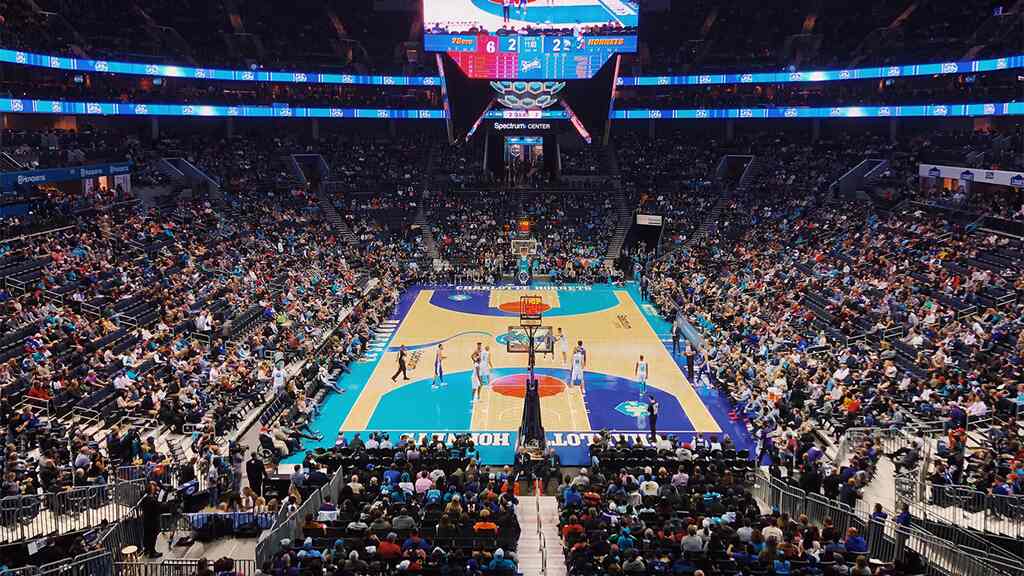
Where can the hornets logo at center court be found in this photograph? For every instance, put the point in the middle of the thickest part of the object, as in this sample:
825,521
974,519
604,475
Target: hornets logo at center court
632,408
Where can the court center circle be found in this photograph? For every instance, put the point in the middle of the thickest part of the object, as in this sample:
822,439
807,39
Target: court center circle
514,385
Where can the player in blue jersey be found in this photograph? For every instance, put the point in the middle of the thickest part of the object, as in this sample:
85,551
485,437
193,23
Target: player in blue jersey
439,368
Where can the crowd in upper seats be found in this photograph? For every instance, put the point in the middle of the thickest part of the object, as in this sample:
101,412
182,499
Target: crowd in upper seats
38,149
474,232
583,161
671,176
751,36
310,36
407,507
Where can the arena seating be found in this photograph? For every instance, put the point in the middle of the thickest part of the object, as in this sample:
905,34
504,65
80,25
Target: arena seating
425,507
868,340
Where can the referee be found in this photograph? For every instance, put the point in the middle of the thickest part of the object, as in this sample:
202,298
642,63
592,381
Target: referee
652,416
401,365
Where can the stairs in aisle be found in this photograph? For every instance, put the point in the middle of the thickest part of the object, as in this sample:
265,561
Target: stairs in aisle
750,174
539,551
428,234
708,223
622,225
332,216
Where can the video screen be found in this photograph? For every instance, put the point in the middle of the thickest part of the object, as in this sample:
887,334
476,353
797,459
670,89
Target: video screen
531,16
531,39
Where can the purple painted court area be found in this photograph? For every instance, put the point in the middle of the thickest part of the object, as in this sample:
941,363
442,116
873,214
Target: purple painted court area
615,403
571,300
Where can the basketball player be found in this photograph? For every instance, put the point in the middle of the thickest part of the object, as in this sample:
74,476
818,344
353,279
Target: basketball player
640,372
476,379
439,358
485,366
522,8
506,5
563,345
579,363
549,344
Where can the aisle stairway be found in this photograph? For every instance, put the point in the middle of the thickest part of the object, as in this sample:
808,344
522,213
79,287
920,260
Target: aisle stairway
710,220
428,234
539,553
332,216
622,225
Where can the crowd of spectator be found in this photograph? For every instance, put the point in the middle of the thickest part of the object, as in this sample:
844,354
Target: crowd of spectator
474,232
687,508
309,35
132,321
750,36
823,315
414,508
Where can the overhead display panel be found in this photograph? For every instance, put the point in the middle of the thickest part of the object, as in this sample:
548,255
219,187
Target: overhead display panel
531,39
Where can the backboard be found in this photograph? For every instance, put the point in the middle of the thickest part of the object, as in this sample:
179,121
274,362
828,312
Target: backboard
519,340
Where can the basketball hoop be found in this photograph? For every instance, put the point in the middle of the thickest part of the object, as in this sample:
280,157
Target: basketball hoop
531,311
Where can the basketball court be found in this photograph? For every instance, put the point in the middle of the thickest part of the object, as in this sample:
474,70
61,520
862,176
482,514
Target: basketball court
614,326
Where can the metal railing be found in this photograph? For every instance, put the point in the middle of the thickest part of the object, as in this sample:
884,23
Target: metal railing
179,567
889,439
887,540
964,507
94,563
37,515
291,526
541,539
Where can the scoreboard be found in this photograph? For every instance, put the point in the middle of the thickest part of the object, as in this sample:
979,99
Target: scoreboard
515,57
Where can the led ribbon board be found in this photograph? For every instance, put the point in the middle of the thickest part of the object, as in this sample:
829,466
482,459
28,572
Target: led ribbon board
914,110
169,71
446,43
896,71
28,106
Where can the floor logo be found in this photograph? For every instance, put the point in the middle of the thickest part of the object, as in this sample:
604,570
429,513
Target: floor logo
632,408
459,297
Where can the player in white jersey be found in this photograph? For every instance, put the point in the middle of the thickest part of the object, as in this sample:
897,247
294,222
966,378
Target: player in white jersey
640,371
563,345
579,363
485,366
476,378
439,368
